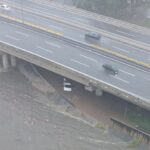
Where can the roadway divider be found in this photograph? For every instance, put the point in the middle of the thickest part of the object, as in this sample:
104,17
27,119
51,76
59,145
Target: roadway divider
91,15
60,36
23,22
97,17
82,26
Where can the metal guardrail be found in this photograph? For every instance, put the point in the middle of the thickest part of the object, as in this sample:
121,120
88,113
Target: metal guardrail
140,134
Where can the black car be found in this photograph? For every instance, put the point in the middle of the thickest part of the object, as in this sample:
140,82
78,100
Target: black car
111,69
93,35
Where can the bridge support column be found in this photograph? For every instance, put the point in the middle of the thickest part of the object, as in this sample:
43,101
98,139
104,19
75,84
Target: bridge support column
89,88
13,61
5,61
98,92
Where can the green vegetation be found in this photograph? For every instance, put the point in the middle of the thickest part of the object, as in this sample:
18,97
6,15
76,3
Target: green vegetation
107,7
67,109
141,120
146,23
134,143
101,126
128,10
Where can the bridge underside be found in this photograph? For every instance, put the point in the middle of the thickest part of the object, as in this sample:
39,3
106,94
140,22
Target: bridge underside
69,73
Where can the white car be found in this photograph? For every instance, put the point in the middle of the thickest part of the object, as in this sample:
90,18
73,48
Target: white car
67,85
4,7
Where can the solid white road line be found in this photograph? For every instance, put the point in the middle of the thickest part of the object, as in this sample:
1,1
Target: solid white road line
129,46
24,34
112,59
133,75
115,47
47,50
56,27
125,33
81,19
76,61
53,44
120,79
89,58
12,37
81,36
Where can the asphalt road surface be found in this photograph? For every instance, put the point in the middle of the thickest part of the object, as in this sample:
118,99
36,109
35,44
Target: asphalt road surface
130,79
82,18
78,35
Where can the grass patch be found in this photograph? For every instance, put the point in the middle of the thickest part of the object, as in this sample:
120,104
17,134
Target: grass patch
67,109
146,23
140,120
134,143
100,126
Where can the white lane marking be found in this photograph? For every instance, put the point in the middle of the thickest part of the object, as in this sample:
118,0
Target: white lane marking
17,26
56,27
24,34
53,44
79,72
42,48
129,46
81,36
125,33
99,141
133,75
120,79
81,19
120,49
76,61
114,60
11,37
89,58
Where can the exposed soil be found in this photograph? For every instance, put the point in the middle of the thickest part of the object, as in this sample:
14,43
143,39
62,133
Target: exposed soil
27,124
102,108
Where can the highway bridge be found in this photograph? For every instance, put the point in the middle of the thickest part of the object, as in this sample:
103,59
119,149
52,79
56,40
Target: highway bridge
62,48
125,32
77,31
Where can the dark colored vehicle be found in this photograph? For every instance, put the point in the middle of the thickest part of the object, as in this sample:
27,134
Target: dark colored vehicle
93,35
111,69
